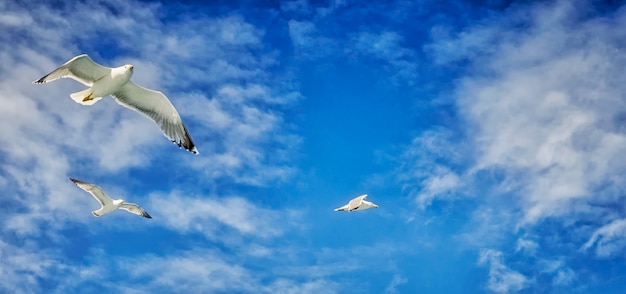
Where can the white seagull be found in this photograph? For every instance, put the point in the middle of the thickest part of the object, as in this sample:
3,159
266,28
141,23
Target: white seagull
104,81
109,205
358,203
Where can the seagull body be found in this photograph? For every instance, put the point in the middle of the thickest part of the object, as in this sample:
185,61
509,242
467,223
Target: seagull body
104,81
358,203
109,205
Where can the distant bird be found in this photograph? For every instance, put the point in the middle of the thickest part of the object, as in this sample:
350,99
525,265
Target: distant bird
109,205
357,203
104,81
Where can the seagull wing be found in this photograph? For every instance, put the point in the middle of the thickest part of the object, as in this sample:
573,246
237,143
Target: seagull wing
80,68
95,191
135,209
356,202
345,207
156,106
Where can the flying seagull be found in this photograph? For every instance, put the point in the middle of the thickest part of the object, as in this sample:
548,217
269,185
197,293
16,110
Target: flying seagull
108,205
104,81
358,203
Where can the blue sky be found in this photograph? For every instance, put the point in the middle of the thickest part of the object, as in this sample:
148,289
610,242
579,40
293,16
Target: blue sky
492,137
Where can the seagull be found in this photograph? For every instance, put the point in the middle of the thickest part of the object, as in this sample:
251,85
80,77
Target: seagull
358,203
108,205
104,81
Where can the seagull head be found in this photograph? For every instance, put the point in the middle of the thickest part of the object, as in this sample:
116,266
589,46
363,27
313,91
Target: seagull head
129,67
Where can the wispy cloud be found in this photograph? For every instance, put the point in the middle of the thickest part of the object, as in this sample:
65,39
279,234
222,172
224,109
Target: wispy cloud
396,281
210,216
428,167
199,269
314,36
561,274
24,266
307,41
240,121
214,272
609,239
529,247
389,47
501,278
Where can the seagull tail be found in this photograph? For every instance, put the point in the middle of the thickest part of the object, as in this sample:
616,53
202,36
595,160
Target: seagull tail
85,97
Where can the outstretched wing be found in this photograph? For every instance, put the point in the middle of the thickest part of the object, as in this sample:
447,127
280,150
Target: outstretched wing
95,191
156,106
356,202
343,208
80,68
134,208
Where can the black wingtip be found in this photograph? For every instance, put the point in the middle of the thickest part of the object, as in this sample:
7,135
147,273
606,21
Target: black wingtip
188,144
192,148
40,81
189,147
146,215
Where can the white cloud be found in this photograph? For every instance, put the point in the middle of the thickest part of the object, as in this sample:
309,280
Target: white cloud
284,269
389,47
211,215
200,269
441,183
15,20
22,267
307,41
211,271
310,287
609,239
186,270
528,247
501,278
296,6
562,275
552,113
237,130
426,171
396,281
542,109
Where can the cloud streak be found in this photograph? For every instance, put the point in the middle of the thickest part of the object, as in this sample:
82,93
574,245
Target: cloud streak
210,215
501,278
